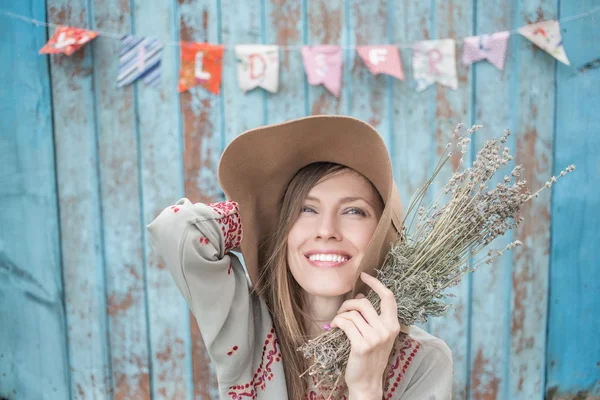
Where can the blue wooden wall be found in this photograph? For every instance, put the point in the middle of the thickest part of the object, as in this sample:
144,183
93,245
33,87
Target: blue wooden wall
88,311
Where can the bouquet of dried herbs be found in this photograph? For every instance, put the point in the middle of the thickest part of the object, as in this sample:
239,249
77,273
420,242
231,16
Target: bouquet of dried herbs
439,243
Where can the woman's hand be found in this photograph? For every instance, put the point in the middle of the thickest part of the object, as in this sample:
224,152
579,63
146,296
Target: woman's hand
371,337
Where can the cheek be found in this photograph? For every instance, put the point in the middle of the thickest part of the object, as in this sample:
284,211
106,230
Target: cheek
360,236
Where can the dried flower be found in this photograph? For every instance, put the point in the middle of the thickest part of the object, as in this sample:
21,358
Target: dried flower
438,251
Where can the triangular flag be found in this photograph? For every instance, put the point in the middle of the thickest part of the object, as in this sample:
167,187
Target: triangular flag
258,66
139,58
67,40
433,61
491,47
382,60
323,65
546,35
201,64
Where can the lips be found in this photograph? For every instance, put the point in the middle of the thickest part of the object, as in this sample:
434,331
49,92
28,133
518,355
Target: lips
327,259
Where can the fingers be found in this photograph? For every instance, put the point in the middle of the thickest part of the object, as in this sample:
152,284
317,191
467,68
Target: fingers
389,308
363,306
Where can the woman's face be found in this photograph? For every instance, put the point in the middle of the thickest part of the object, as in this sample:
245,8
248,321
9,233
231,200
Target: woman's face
328,240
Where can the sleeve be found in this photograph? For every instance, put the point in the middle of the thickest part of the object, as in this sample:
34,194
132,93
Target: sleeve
433,377
194,241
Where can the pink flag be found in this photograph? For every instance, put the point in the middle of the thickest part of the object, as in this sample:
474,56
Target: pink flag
323,65
382,60
491,47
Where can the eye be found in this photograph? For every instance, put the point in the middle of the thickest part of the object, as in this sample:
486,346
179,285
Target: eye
355,211
307,209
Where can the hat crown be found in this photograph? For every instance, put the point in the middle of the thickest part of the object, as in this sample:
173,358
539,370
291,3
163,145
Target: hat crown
257,166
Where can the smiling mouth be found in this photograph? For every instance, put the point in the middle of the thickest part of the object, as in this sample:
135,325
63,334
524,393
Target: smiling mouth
327,260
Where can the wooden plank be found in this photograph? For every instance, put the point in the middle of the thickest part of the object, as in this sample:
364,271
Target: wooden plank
491,283
242,23
202,141
369,95
326,25
33,349
534,128
162,183
81,237
284,25
411,111
453,20
411,116
573,358
122,227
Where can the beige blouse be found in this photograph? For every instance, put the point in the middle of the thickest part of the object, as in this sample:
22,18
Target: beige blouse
195,242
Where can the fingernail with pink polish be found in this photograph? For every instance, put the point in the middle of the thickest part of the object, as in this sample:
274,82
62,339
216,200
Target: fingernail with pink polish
327,327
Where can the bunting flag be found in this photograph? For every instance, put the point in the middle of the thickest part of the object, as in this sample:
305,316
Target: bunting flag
323,65
486,47
139,58
382,60
67,40
258,66
201,64
546,35
433,61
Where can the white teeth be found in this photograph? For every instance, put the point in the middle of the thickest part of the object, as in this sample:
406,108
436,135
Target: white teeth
328,257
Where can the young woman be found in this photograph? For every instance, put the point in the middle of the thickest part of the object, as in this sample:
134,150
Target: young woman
319,208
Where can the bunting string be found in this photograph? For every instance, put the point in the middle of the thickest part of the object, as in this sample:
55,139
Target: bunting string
433,61
281,47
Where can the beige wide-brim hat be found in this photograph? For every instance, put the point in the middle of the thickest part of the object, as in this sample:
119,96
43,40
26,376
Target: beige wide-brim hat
256,167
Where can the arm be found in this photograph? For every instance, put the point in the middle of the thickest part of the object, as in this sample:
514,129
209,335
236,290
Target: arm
194,241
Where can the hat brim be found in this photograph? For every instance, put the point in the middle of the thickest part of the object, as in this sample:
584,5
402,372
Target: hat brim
256,167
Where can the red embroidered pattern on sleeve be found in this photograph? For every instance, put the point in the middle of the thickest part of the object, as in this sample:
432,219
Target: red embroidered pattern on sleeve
230,223
404,353
322,392
263,374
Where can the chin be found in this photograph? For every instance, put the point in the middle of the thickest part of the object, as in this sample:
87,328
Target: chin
327,289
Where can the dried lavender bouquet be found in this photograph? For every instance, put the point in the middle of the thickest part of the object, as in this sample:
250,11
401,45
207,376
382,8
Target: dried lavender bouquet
438,250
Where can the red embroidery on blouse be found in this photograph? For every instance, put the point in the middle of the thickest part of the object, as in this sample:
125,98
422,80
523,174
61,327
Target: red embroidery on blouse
203,240
229,269
174,208
404,353
232,351
229,220
322,392
263,374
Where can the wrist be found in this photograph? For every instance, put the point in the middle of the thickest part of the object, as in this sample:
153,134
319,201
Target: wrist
374,392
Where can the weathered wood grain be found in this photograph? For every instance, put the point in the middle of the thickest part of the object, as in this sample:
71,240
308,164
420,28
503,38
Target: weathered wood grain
241,23
119,329
453,20
121,209
534,117
490,308
79,201
202,146
573,346
326,24
162,184
284,25
33,337
411,111
369,95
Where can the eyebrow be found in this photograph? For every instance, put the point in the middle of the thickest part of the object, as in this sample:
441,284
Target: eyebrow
343,200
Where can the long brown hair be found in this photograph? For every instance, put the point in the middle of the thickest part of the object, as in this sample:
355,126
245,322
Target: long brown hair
277,286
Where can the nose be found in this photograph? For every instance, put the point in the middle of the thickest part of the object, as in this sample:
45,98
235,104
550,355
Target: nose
328,228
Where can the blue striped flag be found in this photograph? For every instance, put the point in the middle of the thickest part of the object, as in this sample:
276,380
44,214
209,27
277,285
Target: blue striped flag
139,58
